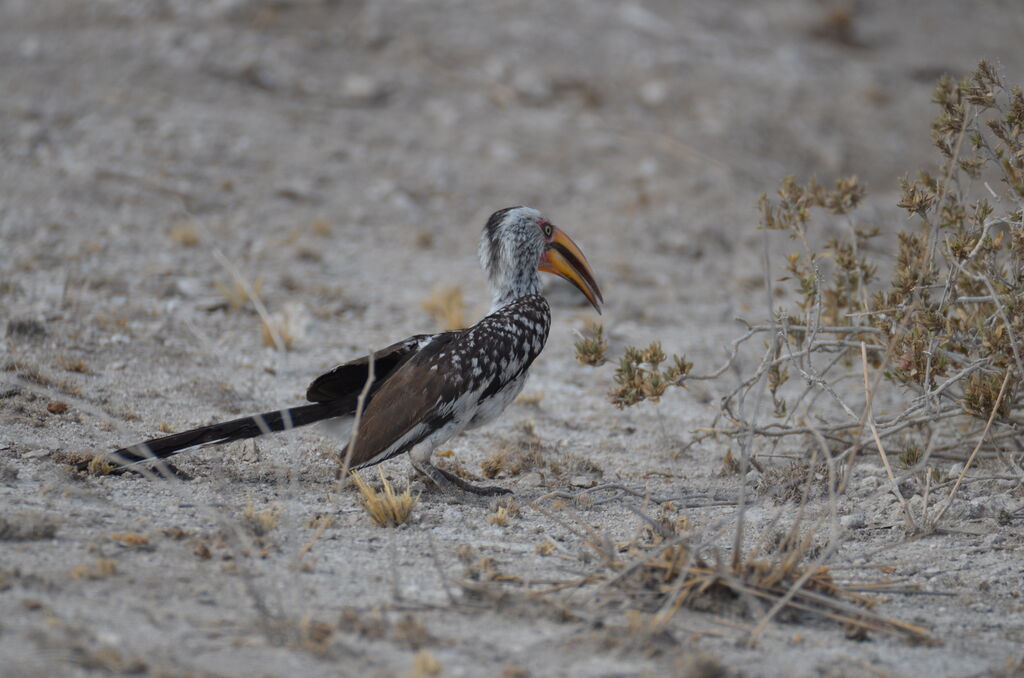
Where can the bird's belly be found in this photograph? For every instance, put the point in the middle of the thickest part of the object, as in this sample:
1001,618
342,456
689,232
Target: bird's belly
490,409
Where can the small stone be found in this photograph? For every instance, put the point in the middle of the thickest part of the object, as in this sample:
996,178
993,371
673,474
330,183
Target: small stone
37,454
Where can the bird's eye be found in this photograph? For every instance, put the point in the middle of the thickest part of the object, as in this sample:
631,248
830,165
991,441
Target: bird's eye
548,228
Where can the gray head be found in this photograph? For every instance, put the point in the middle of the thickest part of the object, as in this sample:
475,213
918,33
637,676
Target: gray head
517,242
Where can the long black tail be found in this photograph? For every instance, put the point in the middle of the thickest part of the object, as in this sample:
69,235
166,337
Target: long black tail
229,431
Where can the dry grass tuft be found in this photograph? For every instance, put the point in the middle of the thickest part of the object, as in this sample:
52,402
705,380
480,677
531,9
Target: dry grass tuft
76,365
100,569
508,463
237,296
285,328
260,523
424,665
313,636
503,515
88,464
446,307
385,508
184,233
321,227
129,539
592,346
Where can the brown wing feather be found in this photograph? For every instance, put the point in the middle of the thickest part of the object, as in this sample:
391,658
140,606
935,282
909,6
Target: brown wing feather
409,397
346,381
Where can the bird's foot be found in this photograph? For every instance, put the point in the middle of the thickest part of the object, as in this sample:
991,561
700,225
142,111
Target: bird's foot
455,487
482,490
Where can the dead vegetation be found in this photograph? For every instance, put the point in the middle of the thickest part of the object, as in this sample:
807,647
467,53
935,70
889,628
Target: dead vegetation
591,346
938,342
85,465
943,327
100,568
386,508
669,566
235,293
526,453
285,328
260,523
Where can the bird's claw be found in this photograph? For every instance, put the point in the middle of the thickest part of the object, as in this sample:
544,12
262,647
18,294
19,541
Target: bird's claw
456,488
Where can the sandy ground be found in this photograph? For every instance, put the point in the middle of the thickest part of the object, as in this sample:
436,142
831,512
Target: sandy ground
346,154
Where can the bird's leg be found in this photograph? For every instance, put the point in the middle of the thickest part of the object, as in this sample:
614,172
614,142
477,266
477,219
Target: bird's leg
450,484
486,490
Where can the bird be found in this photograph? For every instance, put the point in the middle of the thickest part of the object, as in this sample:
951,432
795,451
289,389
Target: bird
418,393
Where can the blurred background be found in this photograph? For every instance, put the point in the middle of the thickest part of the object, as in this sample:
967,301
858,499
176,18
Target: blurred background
641,127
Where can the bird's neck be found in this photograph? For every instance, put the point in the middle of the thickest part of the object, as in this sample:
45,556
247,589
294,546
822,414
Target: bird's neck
512,286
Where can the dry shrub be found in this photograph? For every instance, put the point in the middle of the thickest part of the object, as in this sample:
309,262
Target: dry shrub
938,338
385,508
640,376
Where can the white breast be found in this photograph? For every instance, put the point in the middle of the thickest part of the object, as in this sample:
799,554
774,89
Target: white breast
490,409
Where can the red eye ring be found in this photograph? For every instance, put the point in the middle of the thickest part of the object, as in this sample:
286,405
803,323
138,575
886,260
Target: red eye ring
546,227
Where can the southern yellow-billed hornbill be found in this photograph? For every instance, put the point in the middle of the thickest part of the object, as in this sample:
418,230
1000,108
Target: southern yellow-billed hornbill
430,387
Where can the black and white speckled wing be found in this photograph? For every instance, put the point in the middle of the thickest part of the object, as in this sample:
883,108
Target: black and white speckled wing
346,381
452,380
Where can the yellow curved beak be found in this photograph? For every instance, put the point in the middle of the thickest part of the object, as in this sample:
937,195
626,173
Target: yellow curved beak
565,259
